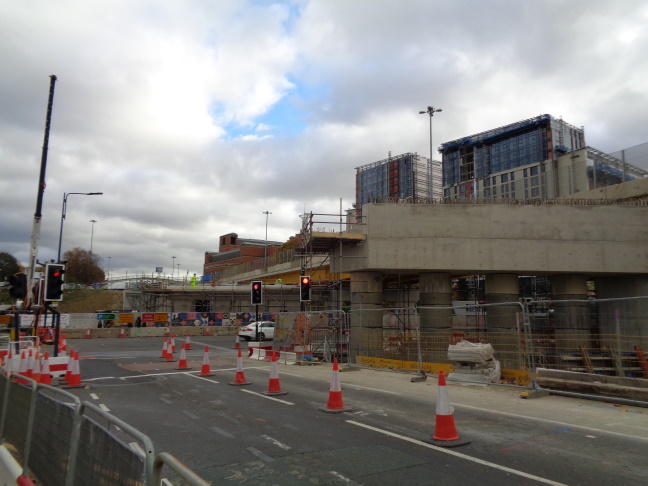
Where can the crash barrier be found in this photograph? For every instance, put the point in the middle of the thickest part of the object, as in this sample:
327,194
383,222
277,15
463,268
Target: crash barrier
600,336
309,336
61,441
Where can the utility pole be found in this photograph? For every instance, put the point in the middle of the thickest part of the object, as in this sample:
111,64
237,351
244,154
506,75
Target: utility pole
33,253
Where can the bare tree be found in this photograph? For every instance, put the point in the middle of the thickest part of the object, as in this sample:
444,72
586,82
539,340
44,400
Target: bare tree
83,267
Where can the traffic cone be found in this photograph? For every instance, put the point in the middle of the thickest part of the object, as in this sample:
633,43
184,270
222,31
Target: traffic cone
445,433
182,365
36,366
188,342
240,377
164,349
63,347
169,354
75,374
237,342
88,335
173,348
274,387
205,370
207,333
30,365
45,377
22,367
68,369
121,333
335,404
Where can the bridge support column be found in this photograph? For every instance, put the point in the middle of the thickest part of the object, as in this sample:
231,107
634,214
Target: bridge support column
435,315
571,319
366,314
501,320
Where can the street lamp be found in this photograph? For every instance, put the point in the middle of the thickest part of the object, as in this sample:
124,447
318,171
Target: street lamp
93,221
172,267
109,268
65,196
430,111
265,247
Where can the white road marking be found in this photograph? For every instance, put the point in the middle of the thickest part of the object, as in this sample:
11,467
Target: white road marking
190,415
104,408
260,454
269,398
360,387
165,400
94,396
222,432
277,443
459,454
549,421
343,478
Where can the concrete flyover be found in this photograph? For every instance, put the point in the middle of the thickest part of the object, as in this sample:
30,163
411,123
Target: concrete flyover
570,241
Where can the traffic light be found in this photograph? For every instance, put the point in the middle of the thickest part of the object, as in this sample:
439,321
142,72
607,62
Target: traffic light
304,288
54,282
256,292
18,289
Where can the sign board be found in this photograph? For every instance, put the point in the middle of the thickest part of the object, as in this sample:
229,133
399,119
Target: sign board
106,317
158,269
6,319
27,320
148,317
125,318
161,317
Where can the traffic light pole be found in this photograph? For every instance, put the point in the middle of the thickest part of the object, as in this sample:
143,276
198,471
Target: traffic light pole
57,324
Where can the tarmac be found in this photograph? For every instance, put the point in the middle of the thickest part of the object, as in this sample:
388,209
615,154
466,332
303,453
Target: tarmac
596,416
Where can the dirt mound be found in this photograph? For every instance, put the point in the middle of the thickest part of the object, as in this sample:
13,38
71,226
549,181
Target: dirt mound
91,300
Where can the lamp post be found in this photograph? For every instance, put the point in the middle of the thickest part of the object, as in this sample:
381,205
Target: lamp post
93,221
172,267
430,111
65,196
109,268
265,247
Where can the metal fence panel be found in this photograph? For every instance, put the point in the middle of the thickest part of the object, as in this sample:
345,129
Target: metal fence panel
103,459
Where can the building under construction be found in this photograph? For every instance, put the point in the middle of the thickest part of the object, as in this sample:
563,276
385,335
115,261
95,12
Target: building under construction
541,157
395,178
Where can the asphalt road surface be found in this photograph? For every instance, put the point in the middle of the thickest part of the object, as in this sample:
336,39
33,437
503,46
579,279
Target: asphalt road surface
237,435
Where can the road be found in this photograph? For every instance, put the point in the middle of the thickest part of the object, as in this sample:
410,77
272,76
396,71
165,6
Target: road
236,435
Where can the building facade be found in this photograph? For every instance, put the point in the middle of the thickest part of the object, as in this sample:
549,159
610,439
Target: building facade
400,177
233,251
541,157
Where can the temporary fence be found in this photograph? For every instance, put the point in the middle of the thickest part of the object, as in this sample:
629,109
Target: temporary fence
62,441
311,336
604,336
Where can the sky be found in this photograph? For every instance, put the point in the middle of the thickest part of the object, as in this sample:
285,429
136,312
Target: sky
195,118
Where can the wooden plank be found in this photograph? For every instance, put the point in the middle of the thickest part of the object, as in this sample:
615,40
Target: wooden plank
586,359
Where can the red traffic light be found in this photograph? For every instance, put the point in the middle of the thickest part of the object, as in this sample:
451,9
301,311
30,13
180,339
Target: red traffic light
305,280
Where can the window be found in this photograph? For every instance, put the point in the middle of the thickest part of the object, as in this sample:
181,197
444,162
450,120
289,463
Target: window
505,187
535,192
524,172
512,186
494,191
487,192
512,176
504,177
534,170
487,182
534,181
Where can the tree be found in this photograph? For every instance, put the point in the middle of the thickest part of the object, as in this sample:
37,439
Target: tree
83,267
8,266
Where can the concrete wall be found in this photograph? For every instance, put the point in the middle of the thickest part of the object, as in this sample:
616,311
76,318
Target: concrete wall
495,238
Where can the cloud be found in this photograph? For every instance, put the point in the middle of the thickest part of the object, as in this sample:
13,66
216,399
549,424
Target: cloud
195,118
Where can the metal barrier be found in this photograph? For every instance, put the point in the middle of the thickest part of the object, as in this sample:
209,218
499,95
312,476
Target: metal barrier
60,440
604,336
311,335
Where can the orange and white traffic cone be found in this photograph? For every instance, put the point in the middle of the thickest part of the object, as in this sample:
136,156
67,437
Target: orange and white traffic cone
206,370
173,348
169,354
207,332
68,369
239,379
335,404
88,335
121,333
182,365
188,342
36,367
274,387
445,432
45,377
63,347
22,367
164,349
30,364
237,342
75,374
